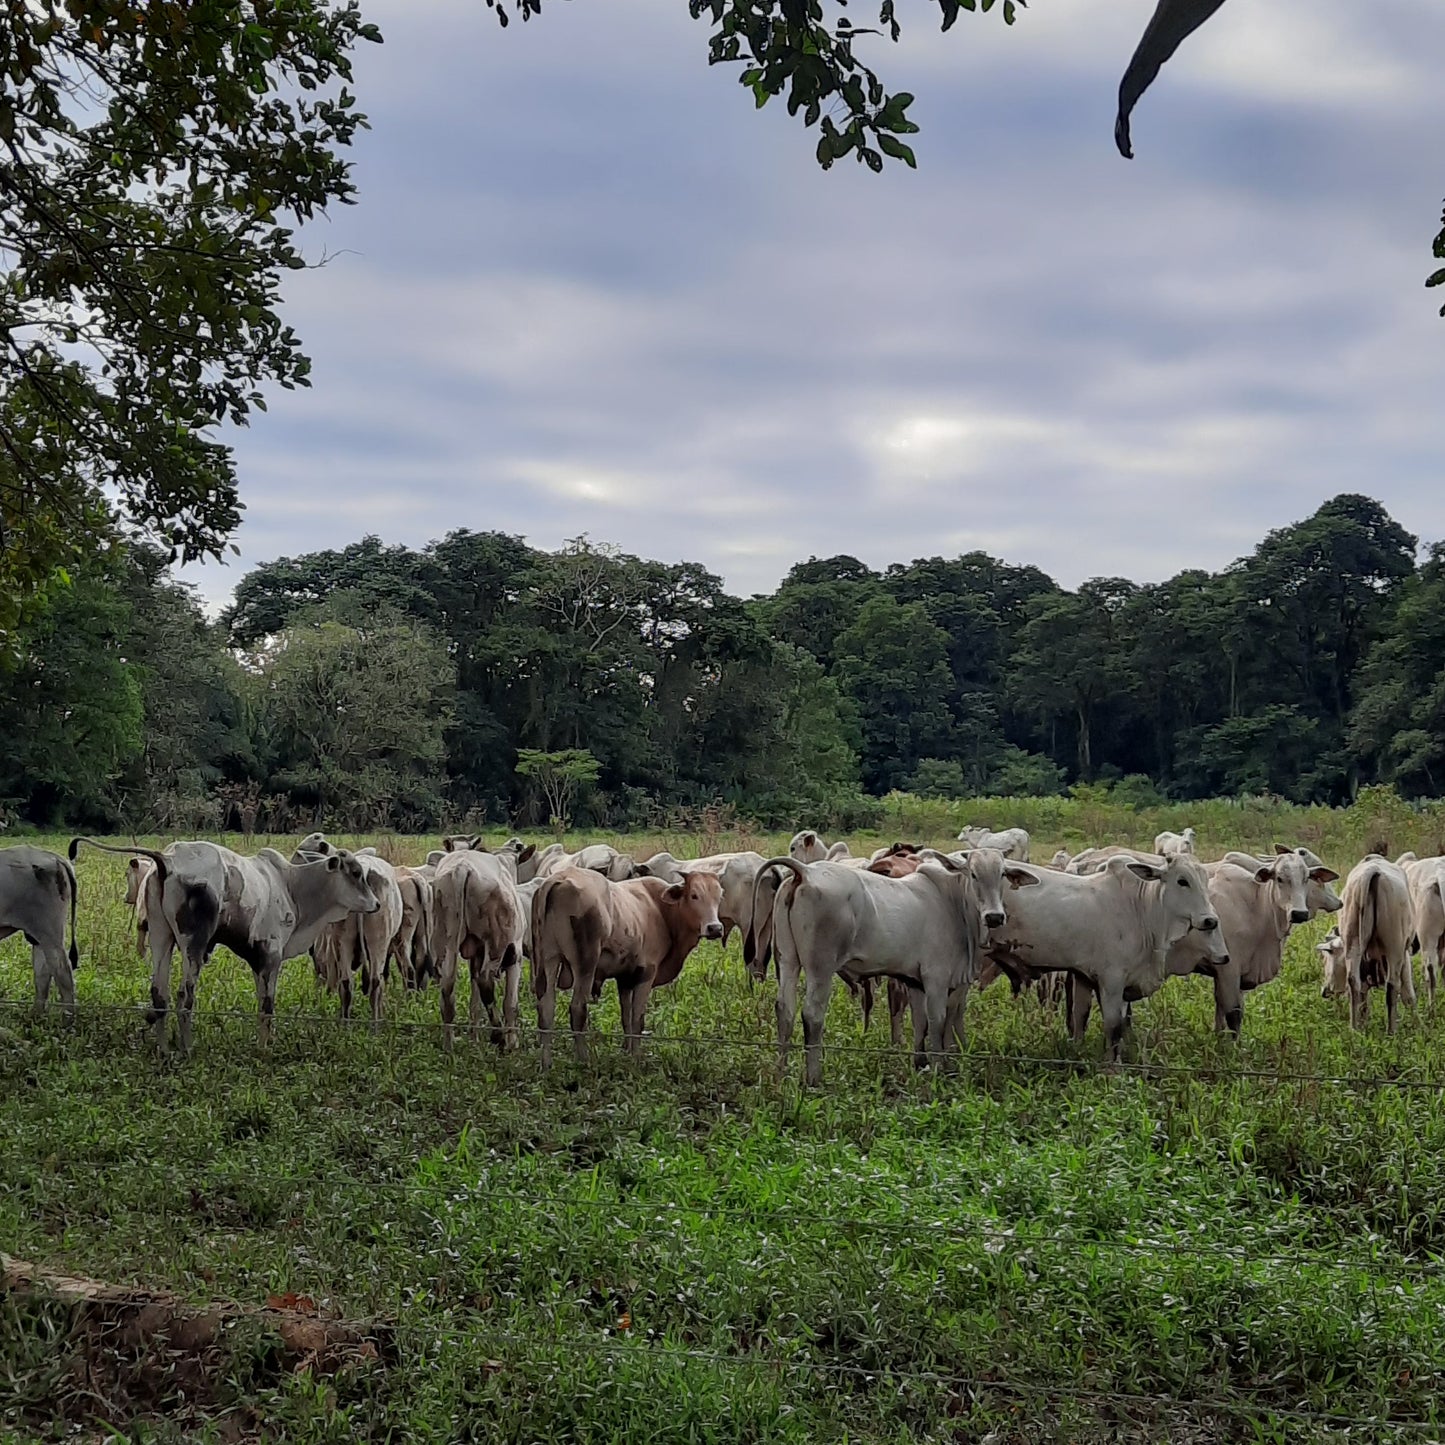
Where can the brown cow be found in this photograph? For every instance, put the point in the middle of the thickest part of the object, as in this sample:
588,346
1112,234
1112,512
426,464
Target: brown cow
586,929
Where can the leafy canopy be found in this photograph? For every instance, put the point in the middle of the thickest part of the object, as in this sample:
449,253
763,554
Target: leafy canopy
153,160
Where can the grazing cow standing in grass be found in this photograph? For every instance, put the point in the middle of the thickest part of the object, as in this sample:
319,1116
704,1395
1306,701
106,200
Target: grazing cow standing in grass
829,920
478,917
1426,879
36,889
1012,842
137,870
1371,946
263,908
1114,928
411,944
640,932
1166,845
359,944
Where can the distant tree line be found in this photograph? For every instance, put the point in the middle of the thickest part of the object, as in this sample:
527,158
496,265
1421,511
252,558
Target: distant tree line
382,685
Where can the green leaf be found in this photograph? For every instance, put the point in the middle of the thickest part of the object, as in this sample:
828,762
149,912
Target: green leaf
895,148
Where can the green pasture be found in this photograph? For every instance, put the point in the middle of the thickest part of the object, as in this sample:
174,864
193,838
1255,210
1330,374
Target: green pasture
1214,1242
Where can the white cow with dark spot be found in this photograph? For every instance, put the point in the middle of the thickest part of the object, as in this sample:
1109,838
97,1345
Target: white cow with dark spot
264,908
37,888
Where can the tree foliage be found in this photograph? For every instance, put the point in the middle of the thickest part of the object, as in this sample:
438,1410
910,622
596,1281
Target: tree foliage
153,161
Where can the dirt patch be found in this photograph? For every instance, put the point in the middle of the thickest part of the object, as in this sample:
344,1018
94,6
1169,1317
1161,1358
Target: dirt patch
114,1354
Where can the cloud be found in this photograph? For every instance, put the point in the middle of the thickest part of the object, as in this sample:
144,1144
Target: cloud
589,288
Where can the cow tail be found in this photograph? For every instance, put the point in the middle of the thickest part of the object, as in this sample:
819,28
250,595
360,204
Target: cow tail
751,940
426,897
74,893
158,858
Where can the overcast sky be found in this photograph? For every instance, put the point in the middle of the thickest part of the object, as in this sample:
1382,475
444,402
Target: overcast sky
588,288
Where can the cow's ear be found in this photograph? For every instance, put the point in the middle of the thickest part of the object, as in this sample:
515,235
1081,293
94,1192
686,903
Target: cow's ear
674,893
1020,877
333,862
526,852
448,845
1264,873
1147,871
809,839
1280,848
1324,875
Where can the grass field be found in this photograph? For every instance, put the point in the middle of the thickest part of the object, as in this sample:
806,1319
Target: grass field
1215,1242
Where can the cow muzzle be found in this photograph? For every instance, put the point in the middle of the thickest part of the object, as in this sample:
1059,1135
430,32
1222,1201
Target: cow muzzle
713,931
995,918
1299,915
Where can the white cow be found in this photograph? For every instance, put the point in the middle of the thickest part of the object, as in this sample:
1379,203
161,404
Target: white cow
1113,928
809,847
924,929
1426,879
411,944
1371,946
36,889
1166,845
358,945
263,908
1011,842
595,857
479,917
1258,901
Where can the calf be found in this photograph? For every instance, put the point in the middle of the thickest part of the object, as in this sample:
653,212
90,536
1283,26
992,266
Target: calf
1371,946
1012,842
1426,880
479,918
1113,928
263,908
923,929
36,889
640,932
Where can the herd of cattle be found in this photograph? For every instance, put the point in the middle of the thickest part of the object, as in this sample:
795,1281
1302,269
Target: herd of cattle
1111,924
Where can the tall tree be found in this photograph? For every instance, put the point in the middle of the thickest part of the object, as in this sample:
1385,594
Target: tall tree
153,159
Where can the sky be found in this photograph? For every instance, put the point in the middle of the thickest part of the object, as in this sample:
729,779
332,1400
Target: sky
589,288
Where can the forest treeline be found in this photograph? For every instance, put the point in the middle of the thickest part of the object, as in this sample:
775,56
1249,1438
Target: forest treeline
385,686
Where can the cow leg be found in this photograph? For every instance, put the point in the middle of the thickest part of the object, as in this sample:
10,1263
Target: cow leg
344,989
953,1027
546,1016
935,1013
1359,1004
898,1002
786,1006
1079,1000
376,968
582,984
634,1016
63,977
447,980
267,975
482,996
1392,998
815,1010
1228,1002
40,967
193,957
511,999
1115,1017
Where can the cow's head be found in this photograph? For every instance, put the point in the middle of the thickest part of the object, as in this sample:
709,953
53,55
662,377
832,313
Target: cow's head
1060,860
1331,950
985,872
1288,880
660,865
621,868
697,898
349,880
137,870
463,843
807,847
1184,898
